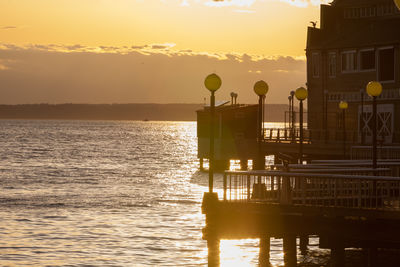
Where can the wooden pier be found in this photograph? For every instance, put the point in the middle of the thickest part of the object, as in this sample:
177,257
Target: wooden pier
345,206
319,144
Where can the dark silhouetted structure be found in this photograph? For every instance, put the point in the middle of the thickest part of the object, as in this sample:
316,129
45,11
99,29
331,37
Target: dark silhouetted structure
346,203
357,42
235,134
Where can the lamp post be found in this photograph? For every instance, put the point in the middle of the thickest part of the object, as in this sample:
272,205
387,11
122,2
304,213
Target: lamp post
213,83
232,97
374,89
301,94
343,106
261,89
290,112
293,116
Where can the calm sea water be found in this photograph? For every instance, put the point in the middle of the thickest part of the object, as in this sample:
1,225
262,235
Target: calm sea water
106,193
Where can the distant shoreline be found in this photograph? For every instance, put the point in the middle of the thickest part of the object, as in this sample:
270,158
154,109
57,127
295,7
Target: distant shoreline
123,112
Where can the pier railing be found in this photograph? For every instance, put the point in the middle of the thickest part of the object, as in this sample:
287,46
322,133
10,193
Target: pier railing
386,167
313,189
320,135
293,135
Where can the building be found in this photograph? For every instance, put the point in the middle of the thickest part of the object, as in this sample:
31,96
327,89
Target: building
235,133
358,41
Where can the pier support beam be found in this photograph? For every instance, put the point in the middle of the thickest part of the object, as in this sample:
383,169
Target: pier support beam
264,251
201,164
303,244
213,245
372,257
244,164
338,256
289,250
222,164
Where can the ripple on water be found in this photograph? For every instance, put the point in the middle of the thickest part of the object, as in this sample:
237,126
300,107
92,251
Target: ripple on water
97,193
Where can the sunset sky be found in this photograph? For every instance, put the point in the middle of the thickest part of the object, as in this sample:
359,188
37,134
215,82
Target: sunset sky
158,51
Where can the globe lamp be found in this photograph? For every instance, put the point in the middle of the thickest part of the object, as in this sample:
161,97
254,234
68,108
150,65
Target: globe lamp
301,93
343,105
261,88
213,82
374,88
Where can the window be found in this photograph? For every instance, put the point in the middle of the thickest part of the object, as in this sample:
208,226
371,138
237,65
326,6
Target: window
332,64
386,64
349,62
367,12
315,64
367,59
386,9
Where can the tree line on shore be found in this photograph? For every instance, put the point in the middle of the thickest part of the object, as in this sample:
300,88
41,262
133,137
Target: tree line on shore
154,112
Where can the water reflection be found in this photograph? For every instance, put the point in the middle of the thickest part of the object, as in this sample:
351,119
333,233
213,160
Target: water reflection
227,253
256,252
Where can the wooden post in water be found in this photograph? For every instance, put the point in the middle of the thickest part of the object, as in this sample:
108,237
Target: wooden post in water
289,250
244,164
213,245
303,244
264,251
338,255
372,257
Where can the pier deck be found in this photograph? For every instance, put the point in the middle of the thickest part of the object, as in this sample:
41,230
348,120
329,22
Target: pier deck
350,208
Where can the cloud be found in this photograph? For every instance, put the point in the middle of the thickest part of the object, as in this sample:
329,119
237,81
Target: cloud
306,3
162,46
139,46
8,27
248,3
244,11
2,66
238,3
185,3
137,74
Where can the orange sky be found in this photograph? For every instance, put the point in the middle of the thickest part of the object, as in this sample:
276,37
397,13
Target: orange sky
215,36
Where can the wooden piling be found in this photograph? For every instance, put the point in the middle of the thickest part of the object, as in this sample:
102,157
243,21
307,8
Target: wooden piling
264,251
213,245
289,250
337,256
372,257
303,244
244,164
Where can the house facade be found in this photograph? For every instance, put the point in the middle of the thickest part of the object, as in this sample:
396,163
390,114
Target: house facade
358,41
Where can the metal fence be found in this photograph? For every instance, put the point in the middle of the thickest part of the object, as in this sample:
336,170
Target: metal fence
293,135
313,189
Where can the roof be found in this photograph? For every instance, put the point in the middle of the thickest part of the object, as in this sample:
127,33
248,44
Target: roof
355,3
357,34
339,32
